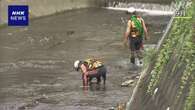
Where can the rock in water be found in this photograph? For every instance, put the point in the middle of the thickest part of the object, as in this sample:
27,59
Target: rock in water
127,83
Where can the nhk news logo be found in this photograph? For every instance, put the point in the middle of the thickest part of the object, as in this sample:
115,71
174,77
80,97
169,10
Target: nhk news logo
18,15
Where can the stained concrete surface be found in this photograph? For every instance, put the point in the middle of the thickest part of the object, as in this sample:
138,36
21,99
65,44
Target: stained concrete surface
38,8
36,62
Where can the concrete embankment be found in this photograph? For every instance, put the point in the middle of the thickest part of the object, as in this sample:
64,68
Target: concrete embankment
170,79
39,8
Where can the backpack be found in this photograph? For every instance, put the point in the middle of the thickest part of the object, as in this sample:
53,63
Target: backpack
93,64
136,26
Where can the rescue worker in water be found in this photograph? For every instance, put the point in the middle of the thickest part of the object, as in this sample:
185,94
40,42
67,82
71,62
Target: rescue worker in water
136,30
91,68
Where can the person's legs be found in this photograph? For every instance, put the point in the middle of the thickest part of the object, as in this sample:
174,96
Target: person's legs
139,53
90,79
98,79
133,56
101,72
104,71
92,74
135,46
139,57
132,49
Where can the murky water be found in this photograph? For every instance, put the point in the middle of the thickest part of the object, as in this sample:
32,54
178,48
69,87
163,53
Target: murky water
36,62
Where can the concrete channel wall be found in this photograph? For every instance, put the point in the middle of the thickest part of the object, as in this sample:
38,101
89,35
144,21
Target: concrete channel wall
39,8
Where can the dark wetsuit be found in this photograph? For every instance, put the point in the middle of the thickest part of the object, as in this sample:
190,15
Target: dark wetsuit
100,72
135,43
96,73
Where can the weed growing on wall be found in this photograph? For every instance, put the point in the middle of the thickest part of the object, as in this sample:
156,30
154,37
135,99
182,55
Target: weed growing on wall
180,37
190,48
164,55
